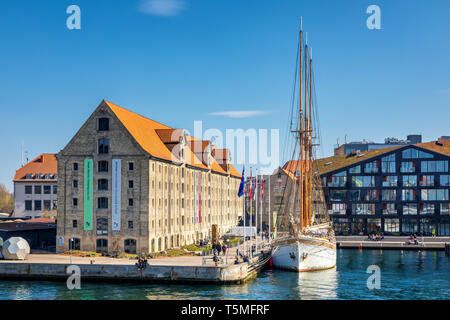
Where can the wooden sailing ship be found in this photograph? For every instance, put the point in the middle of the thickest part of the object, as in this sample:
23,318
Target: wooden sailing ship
309,243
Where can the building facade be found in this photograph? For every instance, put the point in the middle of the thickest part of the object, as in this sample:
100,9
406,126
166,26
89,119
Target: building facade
128,183
35,188
397,191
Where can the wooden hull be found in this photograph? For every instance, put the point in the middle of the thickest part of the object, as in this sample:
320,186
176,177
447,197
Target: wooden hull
303,254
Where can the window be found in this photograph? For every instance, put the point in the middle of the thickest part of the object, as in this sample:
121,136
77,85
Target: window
409,181
340,226
435,166
55,189
336,195
388,164
74,224
103,166
373,225
130,246
102,226
434,194
102,184
445,208
389,181
388,195
75,166
371,167
426,208
130,224
355,195
37,205
55,204
408,195
102,203
102,246
28,190
131,166
410,209
338,179
103,124
130,202
414,154
409,226
75,202
29,205
389,208
363,181
337,208
47,189
356,169
427,181
75,184
103,145
372,195
408,166
47,205
130,184
363,208
444,180
391,226
37,190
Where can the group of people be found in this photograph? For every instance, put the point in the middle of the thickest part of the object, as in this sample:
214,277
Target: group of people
218,248
413,239
141,264
376,237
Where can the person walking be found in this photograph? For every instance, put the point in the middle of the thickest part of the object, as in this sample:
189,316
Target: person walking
224,249
219,249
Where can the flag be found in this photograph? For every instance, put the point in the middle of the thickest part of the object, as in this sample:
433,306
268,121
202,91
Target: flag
262,189
241,186
251,187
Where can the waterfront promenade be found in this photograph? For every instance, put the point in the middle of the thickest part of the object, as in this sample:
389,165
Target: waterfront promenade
184,269
392,242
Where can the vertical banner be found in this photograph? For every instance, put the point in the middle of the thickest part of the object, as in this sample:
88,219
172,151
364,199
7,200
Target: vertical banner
274,224
195,197
116,193
88,193
199,197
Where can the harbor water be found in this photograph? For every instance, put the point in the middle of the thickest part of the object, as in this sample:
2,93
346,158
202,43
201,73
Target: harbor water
403,275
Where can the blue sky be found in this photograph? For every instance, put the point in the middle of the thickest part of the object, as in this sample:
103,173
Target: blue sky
177,61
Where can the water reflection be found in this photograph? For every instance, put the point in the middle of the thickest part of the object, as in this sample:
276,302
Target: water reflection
318,285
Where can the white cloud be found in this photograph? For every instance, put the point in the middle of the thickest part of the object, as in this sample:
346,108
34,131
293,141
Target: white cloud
162,7
239,114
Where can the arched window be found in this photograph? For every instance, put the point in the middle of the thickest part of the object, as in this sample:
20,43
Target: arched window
130,246
102,246
74,244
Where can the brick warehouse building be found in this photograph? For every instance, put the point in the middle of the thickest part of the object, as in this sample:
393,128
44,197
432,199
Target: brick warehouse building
128,183
398,190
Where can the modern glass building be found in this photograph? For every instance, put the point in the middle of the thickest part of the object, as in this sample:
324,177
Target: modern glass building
396,191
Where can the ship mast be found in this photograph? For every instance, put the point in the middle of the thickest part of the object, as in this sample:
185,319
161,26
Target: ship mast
305,143
300,133
310,176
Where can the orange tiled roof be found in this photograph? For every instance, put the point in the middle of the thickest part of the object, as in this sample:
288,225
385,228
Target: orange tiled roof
159,140
44,164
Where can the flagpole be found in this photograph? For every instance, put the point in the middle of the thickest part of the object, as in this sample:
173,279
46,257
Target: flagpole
270,228
251,212
256,212
245,233
260,209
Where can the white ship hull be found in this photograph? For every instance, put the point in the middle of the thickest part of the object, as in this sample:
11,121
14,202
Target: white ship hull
303,254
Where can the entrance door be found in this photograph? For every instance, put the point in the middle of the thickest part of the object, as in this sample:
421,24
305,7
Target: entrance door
102,246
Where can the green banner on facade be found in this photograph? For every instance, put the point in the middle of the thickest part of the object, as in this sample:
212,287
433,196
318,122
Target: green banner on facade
88,193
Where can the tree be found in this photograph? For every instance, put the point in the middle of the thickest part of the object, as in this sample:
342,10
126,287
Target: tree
6,200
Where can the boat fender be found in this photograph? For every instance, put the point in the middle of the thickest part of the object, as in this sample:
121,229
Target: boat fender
292,255
304,255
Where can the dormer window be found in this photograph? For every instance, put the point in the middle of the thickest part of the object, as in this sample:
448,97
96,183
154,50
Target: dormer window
103,124
29,176
47,176
38,176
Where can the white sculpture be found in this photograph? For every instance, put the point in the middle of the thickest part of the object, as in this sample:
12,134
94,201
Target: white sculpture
16,248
